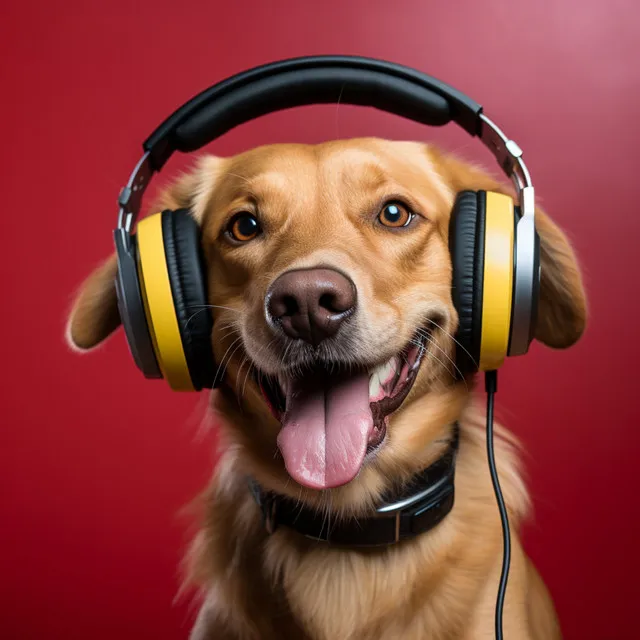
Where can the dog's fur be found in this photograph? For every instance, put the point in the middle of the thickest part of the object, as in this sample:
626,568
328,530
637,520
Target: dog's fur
318,205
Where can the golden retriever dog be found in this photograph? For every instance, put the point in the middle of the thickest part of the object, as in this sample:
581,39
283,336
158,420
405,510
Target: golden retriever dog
367,219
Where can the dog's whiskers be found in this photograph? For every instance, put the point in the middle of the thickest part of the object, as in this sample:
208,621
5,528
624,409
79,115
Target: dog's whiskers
284,355
213,306
433,342
205,307
238,346
238,394
228,333
223,359
442,364
237,175
435,324
192,316
251,367
414,297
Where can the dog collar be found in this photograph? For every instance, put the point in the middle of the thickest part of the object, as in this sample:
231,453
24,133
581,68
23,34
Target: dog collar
423,503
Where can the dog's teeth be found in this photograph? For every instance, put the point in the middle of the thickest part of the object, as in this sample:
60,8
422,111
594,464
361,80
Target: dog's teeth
390,368
374,387
383,379
383,371
386,371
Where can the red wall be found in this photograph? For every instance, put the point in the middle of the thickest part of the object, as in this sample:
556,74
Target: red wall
96,463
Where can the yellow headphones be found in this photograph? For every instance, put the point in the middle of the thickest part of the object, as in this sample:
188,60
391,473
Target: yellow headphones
161,282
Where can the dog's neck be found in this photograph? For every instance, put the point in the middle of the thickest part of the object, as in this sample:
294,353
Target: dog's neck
421,505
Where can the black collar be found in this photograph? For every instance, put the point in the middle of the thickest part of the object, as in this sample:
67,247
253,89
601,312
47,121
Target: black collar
423,503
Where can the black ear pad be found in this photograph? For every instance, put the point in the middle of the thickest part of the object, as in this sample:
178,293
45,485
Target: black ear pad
187,274
466,244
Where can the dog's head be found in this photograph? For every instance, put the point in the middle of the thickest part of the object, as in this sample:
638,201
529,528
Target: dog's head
330,284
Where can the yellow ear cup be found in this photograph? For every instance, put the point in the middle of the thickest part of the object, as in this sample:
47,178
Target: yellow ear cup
497,280
159,305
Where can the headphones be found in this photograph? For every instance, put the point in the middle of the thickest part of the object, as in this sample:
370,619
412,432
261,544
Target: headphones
162,280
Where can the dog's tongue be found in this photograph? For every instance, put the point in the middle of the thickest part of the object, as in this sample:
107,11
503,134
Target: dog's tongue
325,429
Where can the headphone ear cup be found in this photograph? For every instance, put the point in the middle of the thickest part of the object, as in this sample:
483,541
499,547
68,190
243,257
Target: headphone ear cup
481,241
131,306
497,279
466,245
188,278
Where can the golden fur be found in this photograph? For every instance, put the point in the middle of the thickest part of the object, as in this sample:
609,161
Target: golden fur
317,205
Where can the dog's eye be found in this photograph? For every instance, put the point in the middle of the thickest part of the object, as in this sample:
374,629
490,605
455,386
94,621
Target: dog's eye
394,214
244,227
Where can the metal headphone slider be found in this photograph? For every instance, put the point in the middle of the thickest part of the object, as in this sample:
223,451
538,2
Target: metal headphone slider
509,156
130,198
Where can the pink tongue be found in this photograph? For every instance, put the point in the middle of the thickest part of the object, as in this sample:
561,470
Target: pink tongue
326,429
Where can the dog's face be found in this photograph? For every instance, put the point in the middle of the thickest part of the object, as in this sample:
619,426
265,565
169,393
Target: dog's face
334,260
330,280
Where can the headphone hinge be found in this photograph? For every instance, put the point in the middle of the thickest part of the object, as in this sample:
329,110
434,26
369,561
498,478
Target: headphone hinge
130,198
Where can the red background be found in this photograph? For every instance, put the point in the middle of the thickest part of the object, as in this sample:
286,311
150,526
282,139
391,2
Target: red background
96,462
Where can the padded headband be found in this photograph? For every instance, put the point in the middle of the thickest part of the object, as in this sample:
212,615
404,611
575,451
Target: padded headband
298,82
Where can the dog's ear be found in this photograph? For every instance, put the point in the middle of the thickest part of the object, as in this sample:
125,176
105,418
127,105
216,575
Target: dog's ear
94,313
562,311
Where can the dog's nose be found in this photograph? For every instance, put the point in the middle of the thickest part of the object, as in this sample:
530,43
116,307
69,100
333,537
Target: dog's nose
311,304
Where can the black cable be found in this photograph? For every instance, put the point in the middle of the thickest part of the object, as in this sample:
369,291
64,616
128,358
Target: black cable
491,386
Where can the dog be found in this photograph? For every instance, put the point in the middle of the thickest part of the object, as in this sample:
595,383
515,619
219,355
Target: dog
354,233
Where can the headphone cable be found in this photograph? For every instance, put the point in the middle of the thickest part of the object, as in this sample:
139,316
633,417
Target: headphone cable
491,386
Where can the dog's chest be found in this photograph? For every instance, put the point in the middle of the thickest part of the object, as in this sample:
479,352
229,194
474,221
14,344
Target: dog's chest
339,594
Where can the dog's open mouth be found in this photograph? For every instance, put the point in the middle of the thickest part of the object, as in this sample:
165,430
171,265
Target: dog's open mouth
331,421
